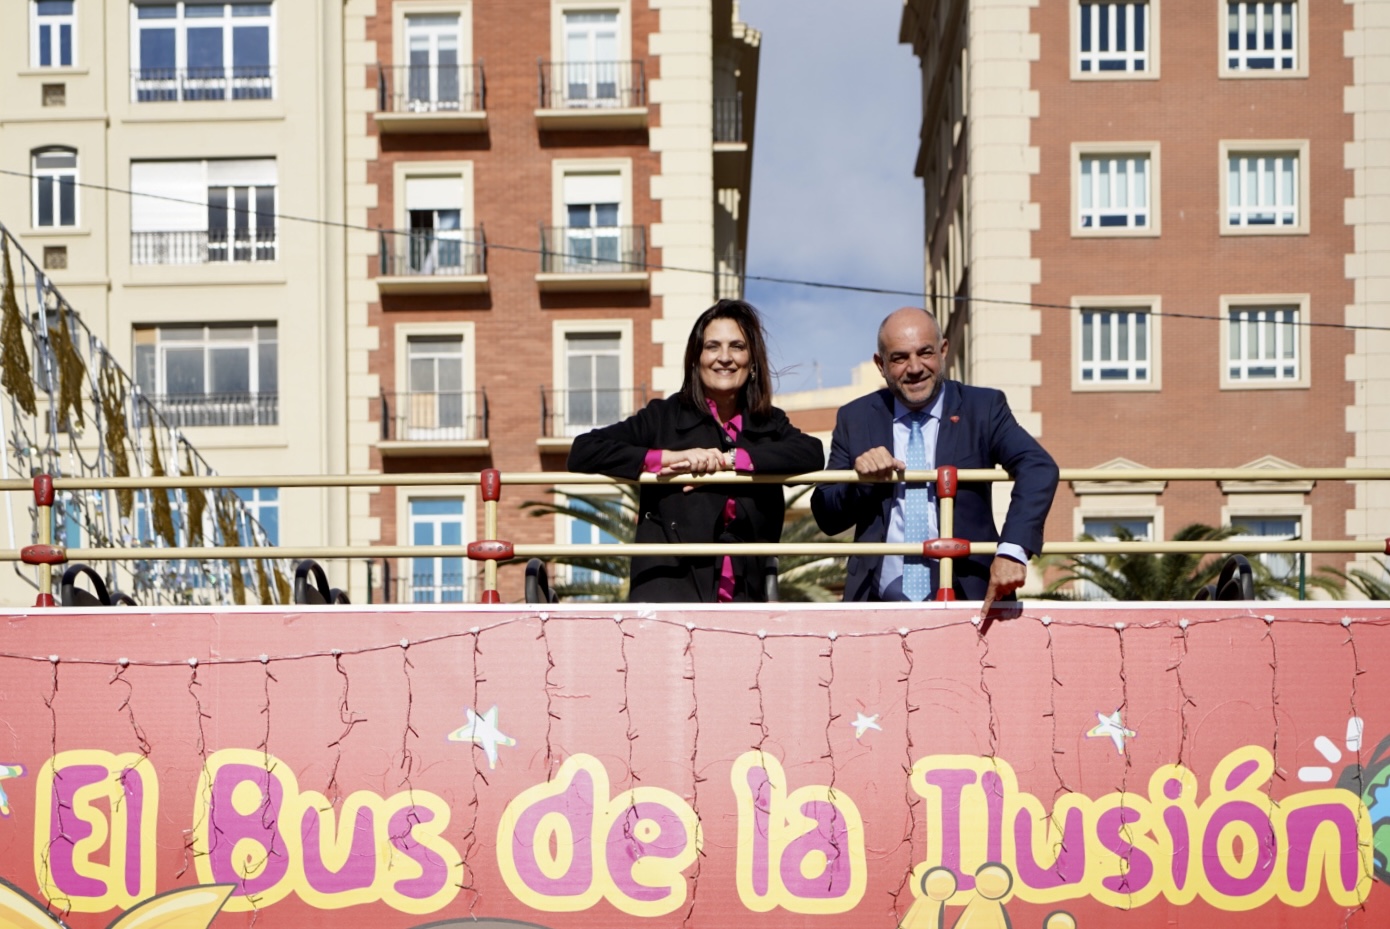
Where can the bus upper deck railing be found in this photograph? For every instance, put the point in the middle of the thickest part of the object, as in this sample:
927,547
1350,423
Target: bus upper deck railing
491,550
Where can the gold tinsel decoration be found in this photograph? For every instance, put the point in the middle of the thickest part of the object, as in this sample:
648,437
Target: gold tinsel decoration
159,497
116,435
282,586
226,510
197,502
72,373
15,374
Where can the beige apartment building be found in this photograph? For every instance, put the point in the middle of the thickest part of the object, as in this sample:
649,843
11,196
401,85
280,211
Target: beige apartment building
154,151
1156,225
557,188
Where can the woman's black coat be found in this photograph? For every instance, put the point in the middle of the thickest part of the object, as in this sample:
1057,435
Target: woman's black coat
666,513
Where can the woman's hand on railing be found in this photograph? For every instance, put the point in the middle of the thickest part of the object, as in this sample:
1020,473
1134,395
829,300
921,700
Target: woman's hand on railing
692,461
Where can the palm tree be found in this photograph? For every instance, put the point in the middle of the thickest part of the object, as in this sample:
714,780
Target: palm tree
1368,584
800,578
1120,575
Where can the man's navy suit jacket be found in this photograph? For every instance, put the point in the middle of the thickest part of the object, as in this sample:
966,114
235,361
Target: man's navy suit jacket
977,430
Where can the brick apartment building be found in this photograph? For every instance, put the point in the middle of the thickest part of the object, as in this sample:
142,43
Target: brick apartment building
1154,226
1164,217
560,188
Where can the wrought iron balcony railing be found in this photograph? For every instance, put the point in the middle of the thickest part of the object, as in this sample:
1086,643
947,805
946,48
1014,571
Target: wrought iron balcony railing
434,416
433,253
567,85
593,249
568,413
148,85
728,119
431,88
197,247
230,409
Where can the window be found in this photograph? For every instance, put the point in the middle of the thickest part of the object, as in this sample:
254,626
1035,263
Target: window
578,532
1283,567
591,66
437,521
1115,346
434,213
593,381
1114,192
202,51
55,187
1262,191
196,212
1262,37
210,375
262,504
1112,37
593,217
432,50
53,25
1264,346
1111,529
437,406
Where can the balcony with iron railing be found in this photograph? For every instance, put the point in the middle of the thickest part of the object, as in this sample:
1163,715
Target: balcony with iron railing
568,413
187,410
162,85
196,247
434,422
431,98
592,95
729,276
728,119
593,258
433,261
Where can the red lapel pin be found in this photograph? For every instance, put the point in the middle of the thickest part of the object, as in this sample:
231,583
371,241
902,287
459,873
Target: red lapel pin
955,419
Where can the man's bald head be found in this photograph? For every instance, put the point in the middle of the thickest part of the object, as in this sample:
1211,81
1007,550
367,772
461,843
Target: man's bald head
904,317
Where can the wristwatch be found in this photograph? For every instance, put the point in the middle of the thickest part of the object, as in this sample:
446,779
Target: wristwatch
729,459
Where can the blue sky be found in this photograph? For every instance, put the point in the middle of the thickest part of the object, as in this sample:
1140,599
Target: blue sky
834,197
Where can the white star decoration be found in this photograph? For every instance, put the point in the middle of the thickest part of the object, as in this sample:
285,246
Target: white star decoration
864,723
1112,728
483,731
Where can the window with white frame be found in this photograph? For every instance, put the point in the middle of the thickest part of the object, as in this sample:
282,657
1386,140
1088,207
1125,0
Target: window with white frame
1263,344
593,221
579,531
1112,529
1282,566
437,405
1113,36
433,83
440,579
202,51
262,504
1262,36
591,67
1262,189
223,375
593,381
196,212
1115,346
434,215
55,187
1114,191
53,31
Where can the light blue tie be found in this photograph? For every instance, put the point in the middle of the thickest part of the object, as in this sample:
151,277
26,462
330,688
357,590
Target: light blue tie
916,513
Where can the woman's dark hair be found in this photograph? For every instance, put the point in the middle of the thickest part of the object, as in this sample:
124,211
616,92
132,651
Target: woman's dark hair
756,396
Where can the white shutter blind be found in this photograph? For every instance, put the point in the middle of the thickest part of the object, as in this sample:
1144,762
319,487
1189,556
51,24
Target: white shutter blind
593,188
434,193
242,172
169,196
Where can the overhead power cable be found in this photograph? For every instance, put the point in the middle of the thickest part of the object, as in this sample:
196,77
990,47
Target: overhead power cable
648,266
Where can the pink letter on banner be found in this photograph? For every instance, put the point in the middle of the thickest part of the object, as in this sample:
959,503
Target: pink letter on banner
227,827
830,836
576,805
358,871
66,829
624,848
434,870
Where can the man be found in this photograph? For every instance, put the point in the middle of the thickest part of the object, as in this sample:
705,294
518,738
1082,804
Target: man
920,421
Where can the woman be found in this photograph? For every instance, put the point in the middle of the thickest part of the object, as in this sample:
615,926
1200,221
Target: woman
722,420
